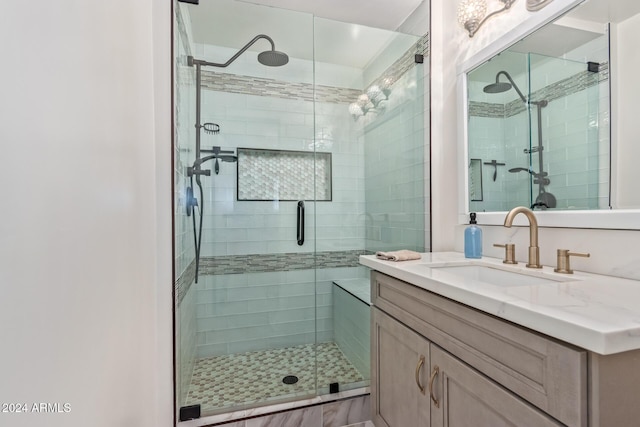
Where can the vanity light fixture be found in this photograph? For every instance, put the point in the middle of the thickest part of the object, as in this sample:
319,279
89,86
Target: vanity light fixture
536,5
471,13
372,99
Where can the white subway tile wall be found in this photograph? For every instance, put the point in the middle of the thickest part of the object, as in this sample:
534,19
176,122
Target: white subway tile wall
184,137
395,183
186,343
257,311
351,322
185,316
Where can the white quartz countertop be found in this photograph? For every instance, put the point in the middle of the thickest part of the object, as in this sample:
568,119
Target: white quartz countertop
595,312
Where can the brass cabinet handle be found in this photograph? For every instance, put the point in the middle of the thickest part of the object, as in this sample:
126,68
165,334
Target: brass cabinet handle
418,367
434,374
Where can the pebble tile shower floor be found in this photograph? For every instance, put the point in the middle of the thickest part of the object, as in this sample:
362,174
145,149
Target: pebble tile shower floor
228,382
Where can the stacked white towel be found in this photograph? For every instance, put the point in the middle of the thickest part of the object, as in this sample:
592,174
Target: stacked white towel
401,255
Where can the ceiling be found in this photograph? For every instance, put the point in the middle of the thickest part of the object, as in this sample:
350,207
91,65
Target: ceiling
613,11
353,32
579,26
383,14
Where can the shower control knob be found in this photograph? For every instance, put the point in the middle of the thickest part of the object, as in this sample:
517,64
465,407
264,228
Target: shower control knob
197,171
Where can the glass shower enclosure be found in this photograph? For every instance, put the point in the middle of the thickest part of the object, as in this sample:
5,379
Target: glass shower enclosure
301,168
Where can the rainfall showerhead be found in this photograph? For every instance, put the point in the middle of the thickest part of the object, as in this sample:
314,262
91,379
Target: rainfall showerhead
500,87
273,58
497,87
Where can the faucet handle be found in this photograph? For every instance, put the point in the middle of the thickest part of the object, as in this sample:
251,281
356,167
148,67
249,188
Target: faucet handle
509,252
563,260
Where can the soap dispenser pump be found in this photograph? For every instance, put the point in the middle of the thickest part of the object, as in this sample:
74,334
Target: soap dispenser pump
473,239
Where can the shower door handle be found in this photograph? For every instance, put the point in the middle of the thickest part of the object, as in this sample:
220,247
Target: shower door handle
300,226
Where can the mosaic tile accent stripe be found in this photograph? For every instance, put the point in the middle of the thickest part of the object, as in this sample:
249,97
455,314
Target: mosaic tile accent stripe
254,378
486,109
267,175
257,263
183,282
562,88
247,85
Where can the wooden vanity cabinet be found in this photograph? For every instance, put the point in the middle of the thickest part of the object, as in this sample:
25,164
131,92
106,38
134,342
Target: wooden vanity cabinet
416,383
478,370
400,374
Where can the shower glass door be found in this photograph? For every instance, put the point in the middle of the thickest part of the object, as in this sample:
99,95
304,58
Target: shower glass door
312,164
246,331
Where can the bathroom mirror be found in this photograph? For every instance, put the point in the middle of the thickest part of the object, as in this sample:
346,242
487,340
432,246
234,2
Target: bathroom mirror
556,108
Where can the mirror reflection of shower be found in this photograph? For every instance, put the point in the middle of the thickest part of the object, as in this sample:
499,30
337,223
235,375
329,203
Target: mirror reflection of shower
544,200
270,58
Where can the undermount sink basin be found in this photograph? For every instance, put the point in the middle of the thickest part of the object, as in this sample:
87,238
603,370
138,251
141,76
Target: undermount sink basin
495,276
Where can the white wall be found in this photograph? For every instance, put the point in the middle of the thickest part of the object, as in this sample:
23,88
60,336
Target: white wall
625,110
85,259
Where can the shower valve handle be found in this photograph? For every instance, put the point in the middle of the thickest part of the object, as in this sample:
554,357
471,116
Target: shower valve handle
197,171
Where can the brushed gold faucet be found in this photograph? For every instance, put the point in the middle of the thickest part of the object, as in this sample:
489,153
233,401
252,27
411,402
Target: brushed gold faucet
534,250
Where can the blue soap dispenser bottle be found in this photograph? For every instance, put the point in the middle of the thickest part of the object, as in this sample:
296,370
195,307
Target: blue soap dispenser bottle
473,239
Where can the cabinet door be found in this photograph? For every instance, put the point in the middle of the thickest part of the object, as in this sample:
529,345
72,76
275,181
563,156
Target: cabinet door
399,374
466,398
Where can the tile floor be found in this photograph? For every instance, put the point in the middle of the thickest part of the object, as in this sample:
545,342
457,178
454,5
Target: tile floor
222,383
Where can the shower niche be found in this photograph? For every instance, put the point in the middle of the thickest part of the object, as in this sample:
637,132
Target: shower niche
283,175
288,166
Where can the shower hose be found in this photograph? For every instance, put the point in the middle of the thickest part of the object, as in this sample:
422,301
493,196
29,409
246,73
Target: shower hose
197,233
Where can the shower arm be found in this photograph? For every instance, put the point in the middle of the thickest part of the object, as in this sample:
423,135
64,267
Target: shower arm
192,61
224,158
198,63
515,86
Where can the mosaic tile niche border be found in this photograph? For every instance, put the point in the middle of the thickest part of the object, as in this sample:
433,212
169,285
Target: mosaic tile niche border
267,175
570,85
260,263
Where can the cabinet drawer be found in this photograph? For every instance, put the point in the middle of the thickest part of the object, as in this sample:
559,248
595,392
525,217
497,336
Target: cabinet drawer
543,371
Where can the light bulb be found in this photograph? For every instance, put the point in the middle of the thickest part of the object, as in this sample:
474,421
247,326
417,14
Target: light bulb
471,12
374,93
355,110
363,100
